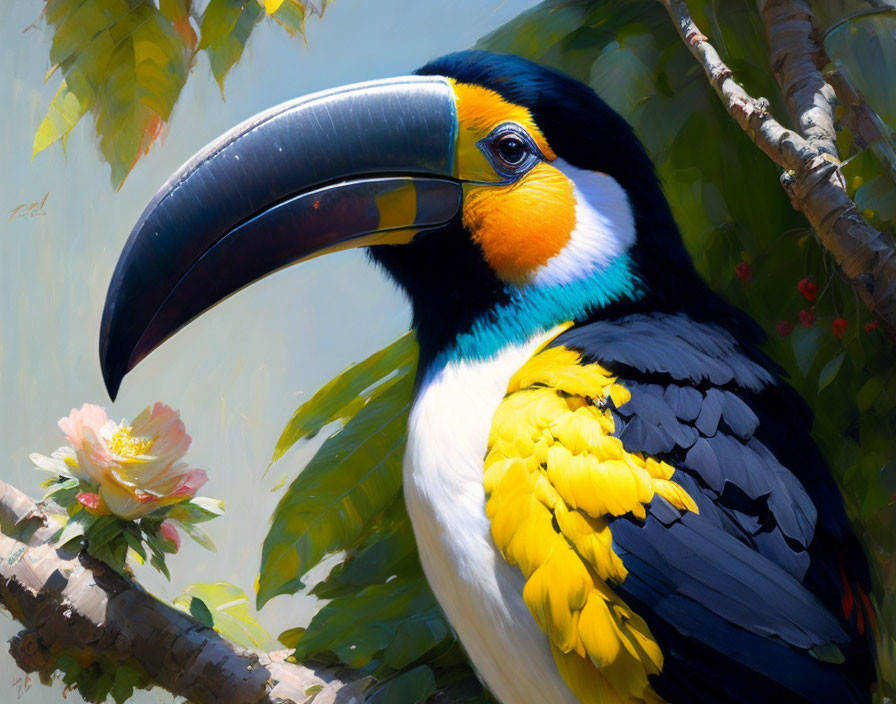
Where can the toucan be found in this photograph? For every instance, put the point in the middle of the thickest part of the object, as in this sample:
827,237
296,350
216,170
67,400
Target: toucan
615,494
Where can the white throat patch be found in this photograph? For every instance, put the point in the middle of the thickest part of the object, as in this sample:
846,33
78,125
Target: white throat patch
605,227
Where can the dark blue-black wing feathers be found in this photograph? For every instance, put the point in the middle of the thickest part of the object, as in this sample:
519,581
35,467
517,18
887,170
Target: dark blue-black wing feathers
747,598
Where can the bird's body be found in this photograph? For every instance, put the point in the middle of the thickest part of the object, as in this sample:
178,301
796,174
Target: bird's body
616,496
444,493
752,510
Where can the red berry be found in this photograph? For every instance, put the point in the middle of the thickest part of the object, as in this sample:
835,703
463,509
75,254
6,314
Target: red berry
808,288
807,318
784,328
744,271
838,327
871,326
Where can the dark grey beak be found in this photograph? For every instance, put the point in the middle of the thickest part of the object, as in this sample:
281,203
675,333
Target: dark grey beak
366,164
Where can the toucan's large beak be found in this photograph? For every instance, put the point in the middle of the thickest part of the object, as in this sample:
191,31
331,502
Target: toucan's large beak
366,164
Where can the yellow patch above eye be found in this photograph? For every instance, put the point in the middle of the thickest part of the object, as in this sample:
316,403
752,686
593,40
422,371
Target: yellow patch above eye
522,225
479,111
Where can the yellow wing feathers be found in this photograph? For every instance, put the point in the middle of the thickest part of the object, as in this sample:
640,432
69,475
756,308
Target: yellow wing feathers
553,473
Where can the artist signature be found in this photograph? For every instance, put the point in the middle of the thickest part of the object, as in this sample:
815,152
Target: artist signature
36,209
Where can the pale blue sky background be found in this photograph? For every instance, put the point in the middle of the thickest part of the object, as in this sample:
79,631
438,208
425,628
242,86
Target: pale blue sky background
237,373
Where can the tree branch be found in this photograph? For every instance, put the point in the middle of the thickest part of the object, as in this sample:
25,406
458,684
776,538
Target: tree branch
796,59
71,603
812,179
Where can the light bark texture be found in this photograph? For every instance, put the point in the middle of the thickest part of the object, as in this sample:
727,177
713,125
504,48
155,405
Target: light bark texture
812,178
70,603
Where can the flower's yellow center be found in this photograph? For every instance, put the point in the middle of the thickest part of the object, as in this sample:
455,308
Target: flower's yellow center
124,444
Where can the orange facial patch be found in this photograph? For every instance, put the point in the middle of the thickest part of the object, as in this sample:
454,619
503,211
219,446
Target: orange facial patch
522,225
519,225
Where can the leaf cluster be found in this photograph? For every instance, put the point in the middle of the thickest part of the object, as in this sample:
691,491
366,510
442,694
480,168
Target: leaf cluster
126,62
381,617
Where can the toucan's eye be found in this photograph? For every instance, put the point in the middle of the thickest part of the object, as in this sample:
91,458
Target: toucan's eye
511,149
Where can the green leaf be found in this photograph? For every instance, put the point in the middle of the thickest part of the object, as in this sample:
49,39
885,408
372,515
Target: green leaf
623,73
338,399
829,371
159,549
537,30
354,476
415,637
385,554
224,31
199,534
290,637
360,627
228,608
291,16
126,679
868,393
879,196
135,543
63,492
806,342
411,687
218,20
102,531
75,527
197,510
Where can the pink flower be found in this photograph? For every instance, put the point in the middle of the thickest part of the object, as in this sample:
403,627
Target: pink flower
138,467
169,532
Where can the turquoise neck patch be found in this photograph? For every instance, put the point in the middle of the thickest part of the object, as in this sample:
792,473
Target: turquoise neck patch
533,310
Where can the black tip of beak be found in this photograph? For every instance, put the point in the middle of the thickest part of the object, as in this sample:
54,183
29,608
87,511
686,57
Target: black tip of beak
360,165
112,375
114,355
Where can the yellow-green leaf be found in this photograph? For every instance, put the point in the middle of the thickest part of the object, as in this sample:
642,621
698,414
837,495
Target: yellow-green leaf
354,476
291,16
127,63
291,636
225,607
271,6
224,31
343,396
63,114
